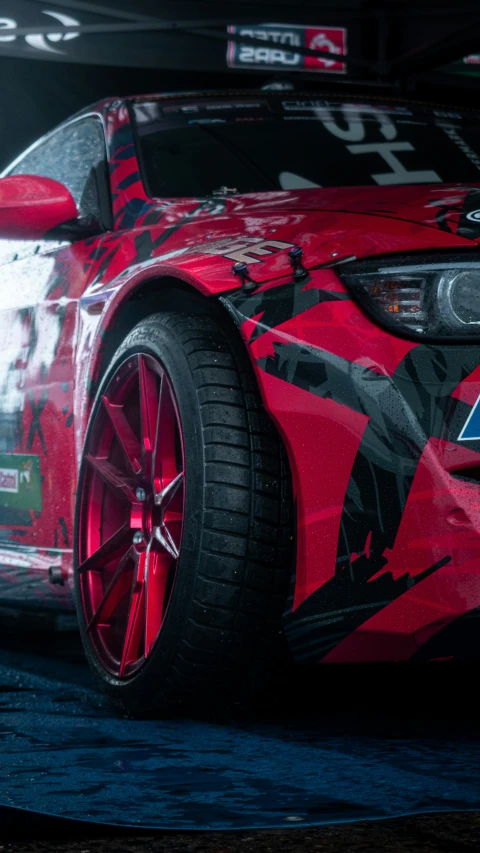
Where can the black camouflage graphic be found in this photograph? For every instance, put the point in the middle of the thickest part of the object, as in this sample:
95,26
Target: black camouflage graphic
404,410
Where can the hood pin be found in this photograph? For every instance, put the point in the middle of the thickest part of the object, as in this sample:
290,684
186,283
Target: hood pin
296,254
241,269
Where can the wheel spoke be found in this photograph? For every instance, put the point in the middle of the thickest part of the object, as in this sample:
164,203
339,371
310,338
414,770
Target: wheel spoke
116,591
136,618
156,576
164,463
134,485
165,497
112,476
163,535
126,436
148,412
113,548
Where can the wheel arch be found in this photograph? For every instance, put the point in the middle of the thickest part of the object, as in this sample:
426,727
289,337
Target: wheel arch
159,293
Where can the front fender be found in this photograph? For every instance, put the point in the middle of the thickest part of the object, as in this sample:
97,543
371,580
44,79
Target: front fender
388,515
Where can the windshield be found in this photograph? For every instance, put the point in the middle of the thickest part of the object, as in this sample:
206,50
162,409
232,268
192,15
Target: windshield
194,147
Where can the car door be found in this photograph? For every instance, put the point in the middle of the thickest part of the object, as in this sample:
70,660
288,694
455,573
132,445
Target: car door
40,284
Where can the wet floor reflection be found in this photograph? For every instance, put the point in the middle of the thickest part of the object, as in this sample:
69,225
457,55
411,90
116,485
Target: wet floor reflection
324,745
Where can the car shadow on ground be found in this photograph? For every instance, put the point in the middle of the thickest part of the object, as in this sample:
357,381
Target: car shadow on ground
417,699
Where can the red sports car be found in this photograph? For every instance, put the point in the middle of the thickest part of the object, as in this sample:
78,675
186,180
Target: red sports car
240,383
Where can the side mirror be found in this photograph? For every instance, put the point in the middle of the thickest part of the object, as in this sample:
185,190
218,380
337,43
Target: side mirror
31,206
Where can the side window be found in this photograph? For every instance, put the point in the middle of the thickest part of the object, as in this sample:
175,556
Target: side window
72,156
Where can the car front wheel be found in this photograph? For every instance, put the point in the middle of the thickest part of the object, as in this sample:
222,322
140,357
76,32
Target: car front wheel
183,522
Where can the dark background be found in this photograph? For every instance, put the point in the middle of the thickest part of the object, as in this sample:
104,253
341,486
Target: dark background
36,95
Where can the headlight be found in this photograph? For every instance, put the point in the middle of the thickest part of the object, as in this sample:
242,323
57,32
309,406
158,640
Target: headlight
428,297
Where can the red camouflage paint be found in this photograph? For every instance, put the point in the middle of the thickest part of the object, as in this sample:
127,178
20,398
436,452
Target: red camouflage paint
394,588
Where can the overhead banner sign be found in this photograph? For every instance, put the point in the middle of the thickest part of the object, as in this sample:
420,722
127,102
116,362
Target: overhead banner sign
122,34
280,43
181,36
21,15
118,34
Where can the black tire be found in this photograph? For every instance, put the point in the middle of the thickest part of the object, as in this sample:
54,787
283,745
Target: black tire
222,627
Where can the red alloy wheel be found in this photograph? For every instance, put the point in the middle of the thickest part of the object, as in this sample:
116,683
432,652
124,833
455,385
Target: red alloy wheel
131,514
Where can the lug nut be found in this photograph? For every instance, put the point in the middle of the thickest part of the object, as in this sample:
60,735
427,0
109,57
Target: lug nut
140,494
137,538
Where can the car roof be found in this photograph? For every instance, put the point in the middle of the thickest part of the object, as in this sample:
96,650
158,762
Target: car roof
326,91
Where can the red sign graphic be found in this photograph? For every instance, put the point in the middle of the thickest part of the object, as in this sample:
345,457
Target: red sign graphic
333,39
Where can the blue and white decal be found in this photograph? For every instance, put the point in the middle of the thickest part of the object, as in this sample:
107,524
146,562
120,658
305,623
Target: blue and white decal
471,430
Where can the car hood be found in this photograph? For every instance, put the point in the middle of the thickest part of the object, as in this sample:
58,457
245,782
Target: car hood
329,225
454,208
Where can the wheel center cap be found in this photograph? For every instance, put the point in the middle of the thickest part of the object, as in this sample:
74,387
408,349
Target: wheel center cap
146,516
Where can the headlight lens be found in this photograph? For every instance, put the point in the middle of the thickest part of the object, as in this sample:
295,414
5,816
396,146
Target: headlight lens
431,297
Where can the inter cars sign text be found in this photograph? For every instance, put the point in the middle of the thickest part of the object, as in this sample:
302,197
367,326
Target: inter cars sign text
280,43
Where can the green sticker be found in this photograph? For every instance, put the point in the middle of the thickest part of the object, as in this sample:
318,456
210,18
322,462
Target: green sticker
20,484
